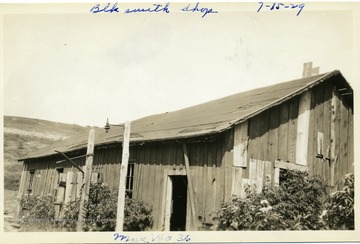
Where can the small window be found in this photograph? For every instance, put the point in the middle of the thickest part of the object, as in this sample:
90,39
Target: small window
31,180
130,179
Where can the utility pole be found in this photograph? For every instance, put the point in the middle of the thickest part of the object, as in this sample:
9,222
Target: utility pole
87,178
123,172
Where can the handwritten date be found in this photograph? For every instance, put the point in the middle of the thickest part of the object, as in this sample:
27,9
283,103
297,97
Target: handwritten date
278,6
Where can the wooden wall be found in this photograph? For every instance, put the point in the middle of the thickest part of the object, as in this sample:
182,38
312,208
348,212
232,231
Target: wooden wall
273,134
210,169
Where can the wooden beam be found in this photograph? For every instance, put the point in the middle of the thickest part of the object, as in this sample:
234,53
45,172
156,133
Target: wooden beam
191,189
302,137
69,186
70,161
241,140
87,176
289,166
123,172
333,156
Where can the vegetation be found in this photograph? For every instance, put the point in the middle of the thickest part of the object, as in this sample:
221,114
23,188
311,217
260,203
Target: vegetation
100,212
297,204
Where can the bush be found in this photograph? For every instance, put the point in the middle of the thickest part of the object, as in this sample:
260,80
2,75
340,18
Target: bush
295,205
101,212
339,210
37,213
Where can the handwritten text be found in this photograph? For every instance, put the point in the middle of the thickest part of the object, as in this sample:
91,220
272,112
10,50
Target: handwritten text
155,8
277,6
153,238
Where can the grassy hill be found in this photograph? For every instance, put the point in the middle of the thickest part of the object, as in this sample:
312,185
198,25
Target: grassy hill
24,135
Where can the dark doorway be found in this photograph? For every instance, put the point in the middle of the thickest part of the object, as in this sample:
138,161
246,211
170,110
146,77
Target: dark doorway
179,195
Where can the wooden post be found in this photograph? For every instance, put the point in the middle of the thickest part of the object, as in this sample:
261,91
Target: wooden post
192,199
123,172
87,177
333,154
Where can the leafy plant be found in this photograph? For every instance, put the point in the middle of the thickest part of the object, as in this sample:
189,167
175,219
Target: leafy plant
339,210
295,205
101,212
37,212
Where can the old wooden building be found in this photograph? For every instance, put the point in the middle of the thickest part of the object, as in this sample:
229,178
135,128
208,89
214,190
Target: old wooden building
304,124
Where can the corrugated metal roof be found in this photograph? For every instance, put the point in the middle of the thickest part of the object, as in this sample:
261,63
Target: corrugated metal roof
207,118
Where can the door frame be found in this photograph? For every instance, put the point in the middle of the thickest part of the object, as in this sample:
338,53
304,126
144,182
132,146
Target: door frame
167,197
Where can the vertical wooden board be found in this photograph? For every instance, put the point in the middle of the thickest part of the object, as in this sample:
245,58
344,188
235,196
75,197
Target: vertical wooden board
312,130
228,161
264,134
343,136
22,180
351,142
237,177
209,200
337,143
318,142
273,137
254,137
47,177
259,176
268,171
252,169
326,123
168,199
69,186
157,185
293,114
79,182
179,155
220,175
241,144
276,177
283,132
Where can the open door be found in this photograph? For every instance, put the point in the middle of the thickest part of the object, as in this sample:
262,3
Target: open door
176,203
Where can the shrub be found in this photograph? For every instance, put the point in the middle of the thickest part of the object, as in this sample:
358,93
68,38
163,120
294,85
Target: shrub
101,212
339,210
37,212
295,205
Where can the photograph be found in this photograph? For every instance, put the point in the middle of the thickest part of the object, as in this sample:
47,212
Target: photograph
167,122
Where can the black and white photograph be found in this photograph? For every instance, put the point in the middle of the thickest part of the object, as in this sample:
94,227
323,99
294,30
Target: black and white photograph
166,122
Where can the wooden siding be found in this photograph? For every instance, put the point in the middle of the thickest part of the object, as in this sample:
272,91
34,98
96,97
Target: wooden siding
273,134
210,169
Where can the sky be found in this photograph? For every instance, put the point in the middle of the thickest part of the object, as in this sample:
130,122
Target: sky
81,68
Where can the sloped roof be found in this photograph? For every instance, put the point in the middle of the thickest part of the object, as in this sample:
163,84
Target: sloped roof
207,118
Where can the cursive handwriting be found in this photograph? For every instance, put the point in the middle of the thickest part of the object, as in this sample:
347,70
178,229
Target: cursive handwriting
198,9
156,9
106,9
277,6
152,238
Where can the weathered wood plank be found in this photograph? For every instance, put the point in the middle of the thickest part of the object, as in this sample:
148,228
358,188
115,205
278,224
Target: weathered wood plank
228,161
123,173
276,177
351,142
343,141
333,137
259,176
241,140
292,134
254,138
268,171
190,185
252,169
87,177
69,186
264,134
283,132
327,136
273,136
237,177
303,121
289,166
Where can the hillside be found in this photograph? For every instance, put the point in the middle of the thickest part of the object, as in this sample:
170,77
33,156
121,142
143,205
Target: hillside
24,135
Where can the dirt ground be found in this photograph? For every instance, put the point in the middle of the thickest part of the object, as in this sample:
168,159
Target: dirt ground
10,206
